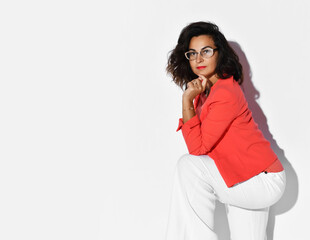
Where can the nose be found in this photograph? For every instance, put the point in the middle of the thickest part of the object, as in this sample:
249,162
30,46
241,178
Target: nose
199,58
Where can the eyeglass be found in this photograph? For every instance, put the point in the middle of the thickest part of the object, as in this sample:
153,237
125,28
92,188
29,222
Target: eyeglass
206,52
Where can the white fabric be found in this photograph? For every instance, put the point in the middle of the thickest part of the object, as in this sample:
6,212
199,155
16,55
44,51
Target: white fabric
197,186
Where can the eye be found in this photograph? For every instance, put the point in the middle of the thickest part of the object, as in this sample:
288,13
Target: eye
191,54
207,51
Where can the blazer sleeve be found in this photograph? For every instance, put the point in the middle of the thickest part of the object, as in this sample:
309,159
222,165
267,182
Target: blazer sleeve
201,136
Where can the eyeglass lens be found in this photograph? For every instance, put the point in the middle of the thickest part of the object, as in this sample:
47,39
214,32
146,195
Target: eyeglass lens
205,53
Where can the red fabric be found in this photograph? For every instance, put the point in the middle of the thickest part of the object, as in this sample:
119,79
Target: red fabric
226,131
202,98
276,166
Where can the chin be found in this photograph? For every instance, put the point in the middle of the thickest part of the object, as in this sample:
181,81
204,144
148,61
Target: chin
203,74
207,75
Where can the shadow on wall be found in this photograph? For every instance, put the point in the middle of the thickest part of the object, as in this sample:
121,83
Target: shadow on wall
290,195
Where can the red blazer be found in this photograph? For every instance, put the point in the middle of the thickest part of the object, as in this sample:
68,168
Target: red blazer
227,133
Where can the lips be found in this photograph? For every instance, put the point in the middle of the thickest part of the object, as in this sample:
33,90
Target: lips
201,67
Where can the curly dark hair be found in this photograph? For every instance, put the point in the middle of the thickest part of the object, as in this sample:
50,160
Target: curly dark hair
228,62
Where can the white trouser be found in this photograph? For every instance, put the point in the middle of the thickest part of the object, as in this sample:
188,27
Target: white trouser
198,184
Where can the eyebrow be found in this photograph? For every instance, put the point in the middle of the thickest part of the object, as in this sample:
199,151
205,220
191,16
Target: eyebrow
201,48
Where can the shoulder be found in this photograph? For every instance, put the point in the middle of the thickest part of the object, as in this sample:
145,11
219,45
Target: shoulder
226,89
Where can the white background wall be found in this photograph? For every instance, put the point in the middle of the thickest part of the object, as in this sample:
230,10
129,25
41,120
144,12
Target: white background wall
88,116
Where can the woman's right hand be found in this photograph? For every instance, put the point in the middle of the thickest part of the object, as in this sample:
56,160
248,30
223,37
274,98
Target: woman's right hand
195,87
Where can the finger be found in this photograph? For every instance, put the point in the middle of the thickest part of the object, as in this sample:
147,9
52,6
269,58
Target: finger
193,82
197,84
204,81
190,85
203,78
197,80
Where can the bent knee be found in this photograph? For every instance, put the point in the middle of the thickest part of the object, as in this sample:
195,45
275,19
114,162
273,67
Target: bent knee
185,161
185,158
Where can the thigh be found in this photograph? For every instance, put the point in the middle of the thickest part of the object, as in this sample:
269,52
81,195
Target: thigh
246,224
258,192
232,195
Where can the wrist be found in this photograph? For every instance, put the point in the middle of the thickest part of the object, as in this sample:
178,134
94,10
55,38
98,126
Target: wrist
187,104
187,98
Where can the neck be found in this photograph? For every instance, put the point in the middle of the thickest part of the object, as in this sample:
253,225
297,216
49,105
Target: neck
214,78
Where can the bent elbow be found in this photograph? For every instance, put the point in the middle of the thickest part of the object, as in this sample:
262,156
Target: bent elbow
198,151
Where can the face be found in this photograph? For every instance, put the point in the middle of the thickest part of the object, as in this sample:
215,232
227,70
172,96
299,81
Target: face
203,66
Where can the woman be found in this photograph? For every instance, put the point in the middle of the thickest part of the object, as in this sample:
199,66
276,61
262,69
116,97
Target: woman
229,159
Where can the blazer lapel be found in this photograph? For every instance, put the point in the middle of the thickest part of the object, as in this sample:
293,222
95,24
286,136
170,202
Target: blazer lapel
196,101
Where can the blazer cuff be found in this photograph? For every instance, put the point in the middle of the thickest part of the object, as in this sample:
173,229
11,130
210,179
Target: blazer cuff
194,121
